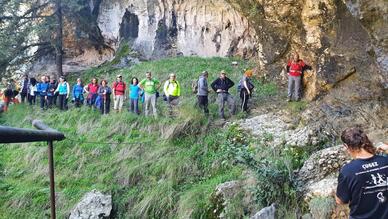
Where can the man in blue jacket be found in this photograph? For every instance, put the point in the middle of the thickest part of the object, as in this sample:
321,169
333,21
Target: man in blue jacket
43,88
221,86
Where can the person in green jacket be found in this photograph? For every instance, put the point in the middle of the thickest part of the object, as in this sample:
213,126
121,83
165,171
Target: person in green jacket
150,87
172,92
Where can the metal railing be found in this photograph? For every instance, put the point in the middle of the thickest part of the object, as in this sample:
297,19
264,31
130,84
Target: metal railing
44,133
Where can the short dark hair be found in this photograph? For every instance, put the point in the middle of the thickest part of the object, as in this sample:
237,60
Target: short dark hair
356,139
103,80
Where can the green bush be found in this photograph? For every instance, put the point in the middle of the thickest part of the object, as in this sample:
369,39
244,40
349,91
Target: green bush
274,168
321,207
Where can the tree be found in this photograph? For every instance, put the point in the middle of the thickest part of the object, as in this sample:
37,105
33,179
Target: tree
31,29
59,38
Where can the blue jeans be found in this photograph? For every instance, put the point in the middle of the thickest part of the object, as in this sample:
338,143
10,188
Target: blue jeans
43,102
135,105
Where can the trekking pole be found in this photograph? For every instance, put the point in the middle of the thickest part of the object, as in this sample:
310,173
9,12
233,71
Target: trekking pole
104,105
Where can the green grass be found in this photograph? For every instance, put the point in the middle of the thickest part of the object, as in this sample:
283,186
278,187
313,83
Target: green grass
156,175
130,157
121,154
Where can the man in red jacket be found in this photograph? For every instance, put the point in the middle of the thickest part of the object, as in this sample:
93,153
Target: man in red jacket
119,88
295,68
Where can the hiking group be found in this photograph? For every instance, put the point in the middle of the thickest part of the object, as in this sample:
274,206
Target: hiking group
362,183
99,94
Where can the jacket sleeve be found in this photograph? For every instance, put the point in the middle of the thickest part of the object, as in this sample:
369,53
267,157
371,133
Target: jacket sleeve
230,83
68,89
202,85
165,88
86,89
214,85
57,89
73,93
288,67
179,88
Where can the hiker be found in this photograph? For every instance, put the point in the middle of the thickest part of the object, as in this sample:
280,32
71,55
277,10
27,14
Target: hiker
24,88
78,93
363,183
55,97
51,92
104,92
203,92
134,93
295,69
8,94
32,91
150,87
119,88
221,86
172,92
63,91
42,89
245,88
91,91
15,90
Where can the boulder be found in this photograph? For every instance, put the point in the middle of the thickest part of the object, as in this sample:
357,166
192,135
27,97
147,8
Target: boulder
223,194
266,213
94,205
275,130
318,174
235,199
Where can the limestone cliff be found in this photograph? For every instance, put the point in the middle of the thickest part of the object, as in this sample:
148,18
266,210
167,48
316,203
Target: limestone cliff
345,42
159,28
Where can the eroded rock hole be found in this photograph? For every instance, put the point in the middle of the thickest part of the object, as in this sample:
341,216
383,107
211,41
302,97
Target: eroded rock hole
129,28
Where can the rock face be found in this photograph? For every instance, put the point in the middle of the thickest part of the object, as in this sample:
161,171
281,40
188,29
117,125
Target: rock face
166,28
317,180
94,205
322,165
277,131
345,42
373,15
235,199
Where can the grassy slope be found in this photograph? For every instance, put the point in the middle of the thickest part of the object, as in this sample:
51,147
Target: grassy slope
146,175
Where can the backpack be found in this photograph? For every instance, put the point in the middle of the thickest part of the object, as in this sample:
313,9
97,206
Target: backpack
249,84
194,86
118,83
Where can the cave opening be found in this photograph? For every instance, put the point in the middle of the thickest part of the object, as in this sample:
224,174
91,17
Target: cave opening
129,27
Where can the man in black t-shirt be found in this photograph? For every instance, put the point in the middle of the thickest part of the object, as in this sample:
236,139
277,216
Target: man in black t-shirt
363,183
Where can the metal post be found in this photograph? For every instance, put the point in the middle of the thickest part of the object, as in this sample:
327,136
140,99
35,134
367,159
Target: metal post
45,133
52,184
